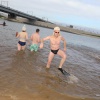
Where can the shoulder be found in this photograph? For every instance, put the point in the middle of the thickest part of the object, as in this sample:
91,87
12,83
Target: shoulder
62,38
25,33
19,32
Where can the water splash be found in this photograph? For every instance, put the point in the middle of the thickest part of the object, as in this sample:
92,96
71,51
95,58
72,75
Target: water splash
98,95
72,79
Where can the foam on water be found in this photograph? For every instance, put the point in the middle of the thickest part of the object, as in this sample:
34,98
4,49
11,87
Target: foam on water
72,79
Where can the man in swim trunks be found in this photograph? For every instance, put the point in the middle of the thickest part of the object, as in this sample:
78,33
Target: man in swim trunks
35,38
23,37
55,40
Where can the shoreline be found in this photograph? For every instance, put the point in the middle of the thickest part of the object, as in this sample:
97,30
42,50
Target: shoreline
44,94
52,25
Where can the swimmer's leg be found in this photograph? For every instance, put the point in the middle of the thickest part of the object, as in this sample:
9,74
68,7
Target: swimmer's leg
64,72
50,57
19,47
23,47
31,47
63,56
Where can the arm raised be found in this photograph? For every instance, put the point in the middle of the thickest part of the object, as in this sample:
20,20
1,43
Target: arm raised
17,34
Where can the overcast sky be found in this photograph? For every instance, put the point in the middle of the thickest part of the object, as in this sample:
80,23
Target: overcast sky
73,12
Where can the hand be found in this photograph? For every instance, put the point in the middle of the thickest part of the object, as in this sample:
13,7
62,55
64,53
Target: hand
41,45
29,42
16,34
65,49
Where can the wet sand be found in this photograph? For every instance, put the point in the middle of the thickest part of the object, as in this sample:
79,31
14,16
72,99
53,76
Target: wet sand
25,79
23,75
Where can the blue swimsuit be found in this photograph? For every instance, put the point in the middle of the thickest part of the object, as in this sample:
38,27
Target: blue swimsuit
22,43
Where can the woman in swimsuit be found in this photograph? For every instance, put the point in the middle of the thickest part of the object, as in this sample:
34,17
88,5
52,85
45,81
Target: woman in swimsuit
23,37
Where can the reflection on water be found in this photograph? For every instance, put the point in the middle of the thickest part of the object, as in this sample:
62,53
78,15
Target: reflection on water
23,75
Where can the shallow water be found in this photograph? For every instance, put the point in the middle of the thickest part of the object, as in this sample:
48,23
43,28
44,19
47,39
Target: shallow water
23,75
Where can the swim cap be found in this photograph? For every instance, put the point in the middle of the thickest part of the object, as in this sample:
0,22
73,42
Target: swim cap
24,28
57,28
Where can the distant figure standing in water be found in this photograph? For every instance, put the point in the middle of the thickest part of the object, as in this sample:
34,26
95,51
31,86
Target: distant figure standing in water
35,38
23,37
55,40
4,24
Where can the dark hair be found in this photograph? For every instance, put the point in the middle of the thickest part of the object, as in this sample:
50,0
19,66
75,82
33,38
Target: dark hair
37,30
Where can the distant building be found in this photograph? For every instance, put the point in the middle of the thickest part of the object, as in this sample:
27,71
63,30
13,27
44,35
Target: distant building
71,26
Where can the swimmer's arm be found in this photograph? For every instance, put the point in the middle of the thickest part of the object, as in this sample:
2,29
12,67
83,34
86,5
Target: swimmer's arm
31,37
27,39
39,40
42,41
26,36
17,34
64,41
46,38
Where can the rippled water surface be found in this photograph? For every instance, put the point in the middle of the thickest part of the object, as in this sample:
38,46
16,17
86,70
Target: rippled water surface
23,75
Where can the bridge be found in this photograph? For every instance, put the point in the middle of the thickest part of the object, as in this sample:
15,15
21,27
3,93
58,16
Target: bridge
12,13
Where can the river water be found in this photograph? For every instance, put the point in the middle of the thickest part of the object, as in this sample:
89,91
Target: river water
23,75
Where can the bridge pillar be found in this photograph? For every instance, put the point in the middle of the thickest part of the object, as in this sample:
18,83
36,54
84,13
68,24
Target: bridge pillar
11,16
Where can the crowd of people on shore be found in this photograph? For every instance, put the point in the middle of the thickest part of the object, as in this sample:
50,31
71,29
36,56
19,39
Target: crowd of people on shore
37,42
